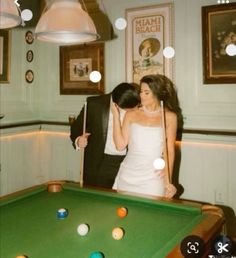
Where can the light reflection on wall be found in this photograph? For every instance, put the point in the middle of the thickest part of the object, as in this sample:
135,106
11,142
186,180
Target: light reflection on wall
36,133
66,134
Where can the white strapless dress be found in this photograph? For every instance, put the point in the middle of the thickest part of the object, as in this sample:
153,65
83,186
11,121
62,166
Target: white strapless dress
137,173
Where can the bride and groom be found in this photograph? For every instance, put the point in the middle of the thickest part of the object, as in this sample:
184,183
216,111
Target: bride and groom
111,132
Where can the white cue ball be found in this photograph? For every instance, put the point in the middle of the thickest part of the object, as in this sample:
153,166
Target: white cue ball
159,163
83,229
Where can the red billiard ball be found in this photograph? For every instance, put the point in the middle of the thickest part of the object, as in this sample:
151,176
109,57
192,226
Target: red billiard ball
122,212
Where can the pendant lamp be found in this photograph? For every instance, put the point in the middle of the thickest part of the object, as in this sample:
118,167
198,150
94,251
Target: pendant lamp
65,22
9,14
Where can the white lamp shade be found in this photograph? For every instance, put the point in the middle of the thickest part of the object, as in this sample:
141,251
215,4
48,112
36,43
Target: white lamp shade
9,14
66,22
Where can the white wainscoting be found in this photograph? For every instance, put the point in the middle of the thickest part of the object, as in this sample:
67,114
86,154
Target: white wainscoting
36,154
207,169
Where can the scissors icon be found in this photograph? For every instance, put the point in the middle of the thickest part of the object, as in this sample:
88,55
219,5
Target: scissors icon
222,247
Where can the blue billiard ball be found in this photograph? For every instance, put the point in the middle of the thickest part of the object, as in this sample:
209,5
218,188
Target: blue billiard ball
62,213
97,255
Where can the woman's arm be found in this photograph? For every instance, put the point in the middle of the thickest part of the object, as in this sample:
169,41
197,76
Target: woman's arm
171,131
120,132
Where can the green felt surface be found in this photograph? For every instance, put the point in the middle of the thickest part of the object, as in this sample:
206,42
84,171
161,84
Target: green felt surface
152,228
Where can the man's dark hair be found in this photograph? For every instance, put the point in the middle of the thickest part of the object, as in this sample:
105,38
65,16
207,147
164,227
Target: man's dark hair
126,95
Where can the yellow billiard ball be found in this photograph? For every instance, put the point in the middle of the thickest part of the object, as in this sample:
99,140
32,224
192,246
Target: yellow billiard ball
117,233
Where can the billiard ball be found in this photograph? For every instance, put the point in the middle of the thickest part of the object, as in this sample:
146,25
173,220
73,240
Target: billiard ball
122,212
83,229
117,233
62,213
96,255
21,256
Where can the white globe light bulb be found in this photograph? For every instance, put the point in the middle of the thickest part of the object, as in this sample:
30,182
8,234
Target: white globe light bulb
159,163
95,76
120,23
168,52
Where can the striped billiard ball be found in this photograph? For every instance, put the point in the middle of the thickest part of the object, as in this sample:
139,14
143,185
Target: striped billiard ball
62,213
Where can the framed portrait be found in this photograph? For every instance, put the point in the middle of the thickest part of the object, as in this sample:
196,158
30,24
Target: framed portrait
4,56
29,56
29,76
29,37
76,63
149,31
218,31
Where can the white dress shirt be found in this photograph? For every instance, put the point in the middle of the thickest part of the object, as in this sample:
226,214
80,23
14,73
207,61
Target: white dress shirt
110,147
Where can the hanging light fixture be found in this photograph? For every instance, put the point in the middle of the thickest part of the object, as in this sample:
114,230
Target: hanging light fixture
9,14
66,22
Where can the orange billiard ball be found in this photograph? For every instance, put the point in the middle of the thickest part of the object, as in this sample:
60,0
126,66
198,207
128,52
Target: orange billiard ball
122,212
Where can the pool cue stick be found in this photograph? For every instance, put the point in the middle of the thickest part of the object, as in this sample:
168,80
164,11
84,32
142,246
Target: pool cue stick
165,142
82,149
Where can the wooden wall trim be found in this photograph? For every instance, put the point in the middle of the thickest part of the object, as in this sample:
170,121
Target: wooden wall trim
36,122
209,132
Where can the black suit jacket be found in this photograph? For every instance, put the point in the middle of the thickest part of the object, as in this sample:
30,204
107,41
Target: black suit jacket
97,124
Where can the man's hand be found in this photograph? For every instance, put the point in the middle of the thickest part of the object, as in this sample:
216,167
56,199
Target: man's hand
82,141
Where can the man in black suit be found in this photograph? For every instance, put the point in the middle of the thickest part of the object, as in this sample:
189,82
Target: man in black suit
101,159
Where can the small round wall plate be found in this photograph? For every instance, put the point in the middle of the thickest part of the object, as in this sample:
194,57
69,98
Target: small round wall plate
29,37
29,56
29,76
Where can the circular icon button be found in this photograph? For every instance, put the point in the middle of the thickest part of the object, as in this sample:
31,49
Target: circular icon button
192,246
222,245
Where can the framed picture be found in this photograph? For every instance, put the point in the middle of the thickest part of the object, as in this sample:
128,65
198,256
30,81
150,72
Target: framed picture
76,63
29,56
29,37
149,31
29,76
4,56
218,31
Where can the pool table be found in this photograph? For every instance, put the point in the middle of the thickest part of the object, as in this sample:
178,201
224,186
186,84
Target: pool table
153,227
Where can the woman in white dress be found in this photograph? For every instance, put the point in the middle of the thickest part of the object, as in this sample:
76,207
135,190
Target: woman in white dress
142,131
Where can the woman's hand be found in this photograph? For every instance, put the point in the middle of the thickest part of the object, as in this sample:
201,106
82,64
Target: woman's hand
170,191
115,109
161,173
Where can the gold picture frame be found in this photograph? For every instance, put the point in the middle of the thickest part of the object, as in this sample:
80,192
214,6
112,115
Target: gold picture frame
218,30
76,63
149,31
5,56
